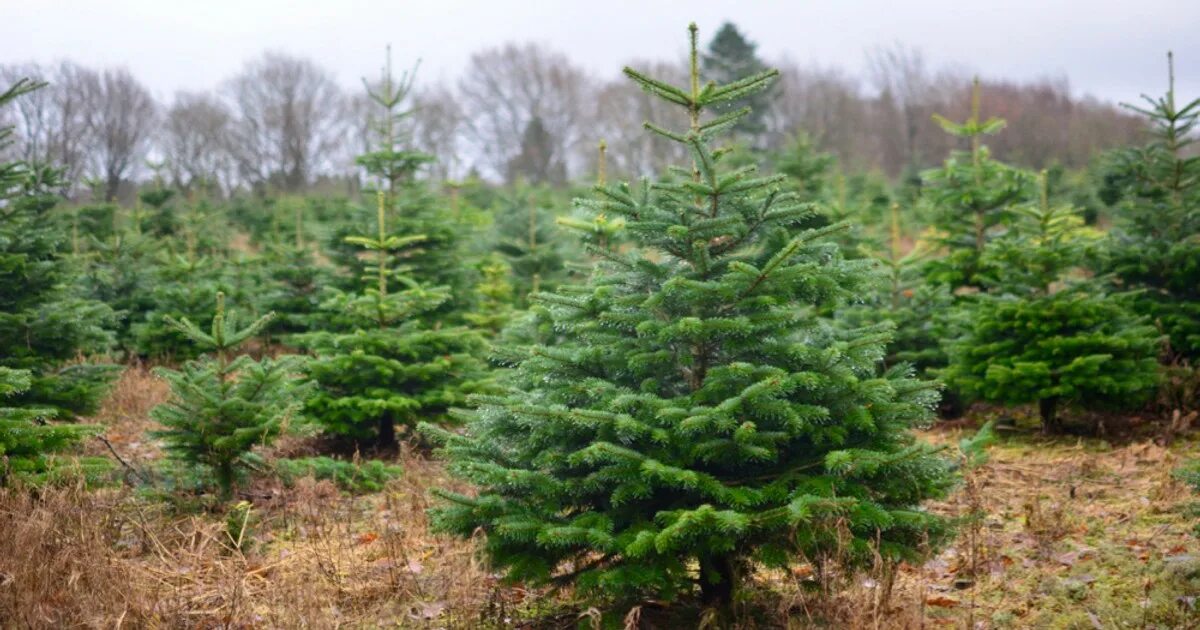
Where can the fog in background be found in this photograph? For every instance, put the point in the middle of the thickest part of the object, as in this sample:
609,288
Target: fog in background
193,85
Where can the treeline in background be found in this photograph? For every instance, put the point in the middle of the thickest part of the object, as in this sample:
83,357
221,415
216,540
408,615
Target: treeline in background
518,112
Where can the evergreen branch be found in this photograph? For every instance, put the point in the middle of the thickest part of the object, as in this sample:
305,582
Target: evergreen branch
723,122
743,87
659,88
666,133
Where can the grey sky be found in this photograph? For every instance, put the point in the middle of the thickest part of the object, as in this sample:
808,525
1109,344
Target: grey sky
1111,49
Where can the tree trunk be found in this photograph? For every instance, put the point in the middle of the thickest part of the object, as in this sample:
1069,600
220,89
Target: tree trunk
112,186
387,431
718,578
1048,410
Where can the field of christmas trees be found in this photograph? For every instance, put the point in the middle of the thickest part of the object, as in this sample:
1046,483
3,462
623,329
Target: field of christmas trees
758,389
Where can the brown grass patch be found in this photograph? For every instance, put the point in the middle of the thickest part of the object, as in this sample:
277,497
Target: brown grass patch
1077,533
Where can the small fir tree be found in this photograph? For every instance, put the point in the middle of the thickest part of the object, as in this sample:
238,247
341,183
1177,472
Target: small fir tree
971,195
913,305
222,406
118,272
183,286
1156,242
295,286
411,208
390,367
494,309
1042,333
697,417
530,242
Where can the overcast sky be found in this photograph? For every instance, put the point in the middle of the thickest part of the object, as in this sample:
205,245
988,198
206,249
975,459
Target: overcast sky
1108,48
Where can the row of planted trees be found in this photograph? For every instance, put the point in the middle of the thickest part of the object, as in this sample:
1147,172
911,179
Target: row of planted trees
717,371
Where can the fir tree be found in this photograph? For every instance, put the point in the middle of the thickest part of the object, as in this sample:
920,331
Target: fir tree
294,293
1042,334
730,57
914,306
118,273
411,208
528,240
971,194
182,286
44,323
1156,243
810,170
390,367
494,308
697,416
28,439
221,407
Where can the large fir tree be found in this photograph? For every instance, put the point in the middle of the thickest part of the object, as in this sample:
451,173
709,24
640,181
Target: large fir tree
697,418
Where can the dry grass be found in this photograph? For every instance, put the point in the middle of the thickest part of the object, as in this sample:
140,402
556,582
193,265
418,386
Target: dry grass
1077,534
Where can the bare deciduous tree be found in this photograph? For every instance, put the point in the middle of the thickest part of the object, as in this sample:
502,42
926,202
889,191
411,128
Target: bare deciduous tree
121,116
504,89
621,108
828,106
438,127
195,142
51,128
288,121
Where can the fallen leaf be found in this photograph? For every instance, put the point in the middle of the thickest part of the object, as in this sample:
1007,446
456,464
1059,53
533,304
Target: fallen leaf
367,538
942,601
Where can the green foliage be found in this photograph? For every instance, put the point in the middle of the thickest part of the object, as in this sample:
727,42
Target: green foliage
1156,244
354,477
973,450
28,439
180,287
44,323
389,366
917,309
222,407
696,416
972,195
1041,334
293,291
530,242
810,169
494,308
118,272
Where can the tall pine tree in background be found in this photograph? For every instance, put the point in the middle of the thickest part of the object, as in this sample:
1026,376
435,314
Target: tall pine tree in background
731,56
44,324
1043,333
1156,240
697,417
